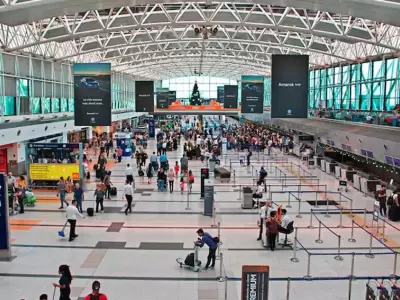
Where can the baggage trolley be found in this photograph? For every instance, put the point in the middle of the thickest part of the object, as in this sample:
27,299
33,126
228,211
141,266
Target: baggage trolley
197,262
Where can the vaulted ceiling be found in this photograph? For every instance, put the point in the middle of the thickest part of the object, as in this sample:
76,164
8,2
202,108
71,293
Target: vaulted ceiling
156,39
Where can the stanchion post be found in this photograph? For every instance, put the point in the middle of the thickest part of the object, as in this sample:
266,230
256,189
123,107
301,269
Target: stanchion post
219,237
394,265
298,210
187,202
294,258
352,239
340,217
311,225
230,165
234,178
226,288
221,266
370,255
213,225
351,276
298,190
308,275
339,257
327,209
288,205
240,193
288,289
382,239
316,199
365,218
319,241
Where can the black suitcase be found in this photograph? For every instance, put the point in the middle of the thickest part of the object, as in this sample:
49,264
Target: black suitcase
88,175
113,191
90,212
119,159
189,260
95,166
99,173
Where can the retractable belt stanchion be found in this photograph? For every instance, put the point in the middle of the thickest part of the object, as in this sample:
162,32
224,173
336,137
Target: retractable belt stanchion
319,241
338,256
240,193
370,255
311,218
308,275
219,237
298,210
316,199
294,258
351,276
382,239
234,178
394,265
288,289
327,209
221,265
213,225
288,205
187,201
340,218
352,239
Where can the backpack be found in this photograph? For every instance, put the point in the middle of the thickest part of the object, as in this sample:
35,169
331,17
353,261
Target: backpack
93,297
390,201
216,239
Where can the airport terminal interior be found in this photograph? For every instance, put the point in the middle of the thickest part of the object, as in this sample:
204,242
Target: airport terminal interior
202,150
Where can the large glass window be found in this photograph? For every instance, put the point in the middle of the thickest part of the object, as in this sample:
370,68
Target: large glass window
71,105
36,106
46,105
9,106
64,105
23,87
55,105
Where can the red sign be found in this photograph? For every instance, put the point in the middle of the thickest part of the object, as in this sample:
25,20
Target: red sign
3,160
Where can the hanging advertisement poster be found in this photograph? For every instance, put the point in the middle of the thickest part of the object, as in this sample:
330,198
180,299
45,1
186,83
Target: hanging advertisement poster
162,96
252,94
230,96
144,96
92,94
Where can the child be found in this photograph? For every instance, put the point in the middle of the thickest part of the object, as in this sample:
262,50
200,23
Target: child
176,168
182,184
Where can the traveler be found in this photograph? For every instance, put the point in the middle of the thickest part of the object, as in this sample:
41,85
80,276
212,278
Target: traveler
272,230
171,178
62,191
72,212
154,161
176,168
10,180
190,180
99,193
285,222
64,284
108,183
129,173
184,163
161,181
206,238
382,200
128,193
95,295
149,172
257,194
265,213
262,178
79,196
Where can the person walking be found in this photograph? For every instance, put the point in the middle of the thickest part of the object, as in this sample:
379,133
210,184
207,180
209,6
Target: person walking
184,163
149,172
206,238
99,193
72,212
272,230
108,183
64,284
382,200
129,173
128,193
190,180
171,178
79,196
95,294
62,191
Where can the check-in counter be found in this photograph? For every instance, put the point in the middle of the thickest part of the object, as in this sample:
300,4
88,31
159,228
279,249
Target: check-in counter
319,160
323,165
338,172
356,181
349,175
332,168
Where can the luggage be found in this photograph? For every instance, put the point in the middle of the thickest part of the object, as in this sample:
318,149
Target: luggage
98,174
95,167
88,175
189,260
119,158
90,212
113,191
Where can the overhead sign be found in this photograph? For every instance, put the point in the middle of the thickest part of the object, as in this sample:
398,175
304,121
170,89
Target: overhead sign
53,171
230,96
144,96
171,97
289,86
5,249
52,146
255,281
92,94
252,94
220,94
162,97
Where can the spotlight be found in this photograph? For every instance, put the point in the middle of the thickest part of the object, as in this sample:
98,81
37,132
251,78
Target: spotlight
214,30
196,30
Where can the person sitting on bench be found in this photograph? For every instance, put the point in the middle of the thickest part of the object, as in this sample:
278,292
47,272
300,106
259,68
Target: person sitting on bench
286,220
257,194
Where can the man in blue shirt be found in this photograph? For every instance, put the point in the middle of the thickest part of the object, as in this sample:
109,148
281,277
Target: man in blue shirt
79,196
206,238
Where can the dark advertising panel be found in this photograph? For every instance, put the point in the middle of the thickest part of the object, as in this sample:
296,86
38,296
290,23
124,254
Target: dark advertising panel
152,128
252,94
162,97
144,96
230,96
220,94
289,86
5,252
171,97
92,89
255,281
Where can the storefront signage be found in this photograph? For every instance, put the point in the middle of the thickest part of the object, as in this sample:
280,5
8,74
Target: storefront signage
53,171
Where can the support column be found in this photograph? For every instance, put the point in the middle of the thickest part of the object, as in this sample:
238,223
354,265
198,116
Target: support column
64,138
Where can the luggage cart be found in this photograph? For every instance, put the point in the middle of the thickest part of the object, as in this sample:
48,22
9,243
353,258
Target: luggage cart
196,262
343,185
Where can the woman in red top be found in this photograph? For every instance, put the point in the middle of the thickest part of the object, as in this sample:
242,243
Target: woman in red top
272,230
191,180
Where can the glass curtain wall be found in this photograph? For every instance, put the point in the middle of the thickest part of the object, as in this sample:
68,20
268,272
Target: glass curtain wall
368,86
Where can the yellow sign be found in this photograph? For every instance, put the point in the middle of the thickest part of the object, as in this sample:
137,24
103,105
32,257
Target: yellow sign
53,171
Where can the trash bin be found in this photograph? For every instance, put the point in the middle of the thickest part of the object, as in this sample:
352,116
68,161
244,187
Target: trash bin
247,198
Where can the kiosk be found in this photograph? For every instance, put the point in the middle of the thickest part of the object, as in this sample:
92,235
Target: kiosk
124,141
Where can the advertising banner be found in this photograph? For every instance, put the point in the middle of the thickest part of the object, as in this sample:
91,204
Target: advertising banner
162,96
171,97
289,86
92,92
53,171
178,106
252,94
144,93
3,160
5,249
220,94
255,281
152,128
230,96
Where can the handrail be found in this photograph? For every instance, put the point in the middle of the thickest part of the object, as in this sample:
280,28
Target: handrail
354,222
386,222
322,223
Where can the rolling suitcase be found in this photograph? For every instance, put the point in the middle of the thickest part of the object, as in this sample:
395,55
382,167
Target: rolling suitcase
113,191
98,173
90,212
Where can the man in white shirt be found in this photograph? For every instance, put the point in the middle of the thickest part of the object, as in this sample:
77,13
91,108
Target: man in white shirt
129,174
257,194
128,193
285,222
10,180
265,212
71,213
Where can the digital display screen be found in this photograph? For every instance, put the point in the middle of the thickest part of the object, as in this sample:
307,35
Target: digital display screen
363,152
396,162
370,154
389,160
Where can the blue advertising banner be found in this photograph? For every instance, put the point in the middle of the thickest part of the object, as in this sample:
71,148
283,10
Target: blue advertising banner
152,128
92,94
162,97
4,225
252,94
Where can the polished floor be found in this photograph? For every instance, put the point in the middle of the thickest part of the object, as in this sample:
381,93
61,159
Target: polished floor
134,256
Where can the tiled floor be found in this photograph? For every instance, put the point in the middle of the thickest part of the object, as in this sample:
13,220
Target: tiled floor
134,256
